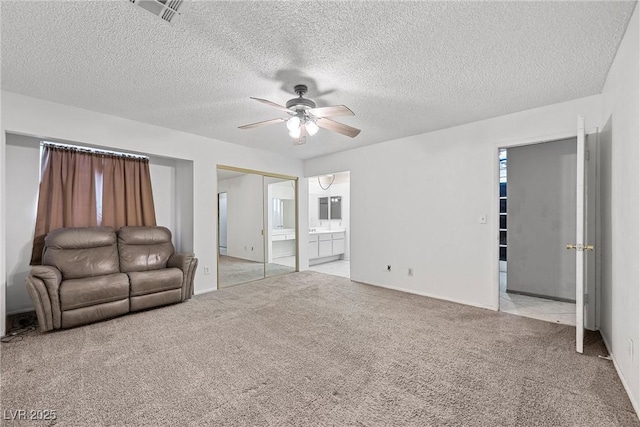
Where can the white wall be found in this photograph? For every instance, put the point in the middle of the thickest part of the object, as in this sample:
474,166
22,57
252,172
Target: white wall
620,190
541,219
23,166
31,116
183,232
416,202
163,184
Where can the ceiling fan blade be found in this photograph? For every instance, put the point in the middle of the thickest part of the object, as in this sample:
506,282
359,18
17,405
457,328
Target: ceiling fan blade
333,111
273,104
338,127
266,122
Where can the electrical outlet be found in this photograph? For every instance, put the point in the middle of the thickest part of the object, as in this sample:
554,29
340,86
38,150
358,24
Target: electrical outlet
388,267
207,270
410,271
630,348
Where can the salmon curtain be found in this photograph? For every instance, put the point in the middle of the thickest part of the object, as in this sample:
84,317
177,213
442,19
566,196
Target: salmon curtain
127,198
67,196
79,188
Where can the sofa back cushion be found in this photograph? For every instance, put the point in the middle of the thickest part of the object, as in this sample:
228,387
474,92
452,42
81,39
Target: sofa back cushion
82,252
144,248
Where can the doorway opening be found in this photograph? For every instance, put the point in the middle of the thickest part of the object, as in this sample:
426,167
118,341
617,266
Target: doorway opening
537,217
329,224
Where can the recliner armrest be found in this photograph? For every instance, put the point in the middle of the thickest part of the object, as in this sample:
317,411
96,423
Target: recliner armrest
181,260
187,263
43,285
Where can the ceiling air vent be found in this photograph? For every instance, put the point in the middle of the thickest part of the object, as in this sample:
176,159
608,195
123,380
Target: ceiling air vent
165,9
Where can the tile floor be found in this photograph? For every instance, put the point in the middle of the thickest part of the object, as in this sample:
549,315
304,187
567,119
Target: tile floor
536,308
340,268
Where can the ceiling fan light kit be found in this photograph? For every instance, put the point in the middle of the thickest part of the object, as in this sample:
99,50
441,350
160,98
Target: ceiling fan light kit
311,127
306,118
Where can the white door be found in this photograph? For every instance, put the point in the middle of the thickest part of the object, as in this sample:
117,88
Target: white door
580,246
222,218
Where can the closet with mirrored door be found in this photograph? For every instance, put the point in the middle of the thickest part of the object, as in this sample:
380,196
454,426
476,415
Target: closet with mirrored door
257,225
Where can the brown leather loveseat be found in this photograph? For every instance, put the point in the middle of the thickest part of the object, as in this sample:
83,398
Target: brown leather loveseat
90,274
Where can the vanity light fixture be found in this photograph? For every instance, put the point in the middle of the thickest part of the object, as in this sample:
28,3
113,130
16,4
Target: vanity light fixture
333,178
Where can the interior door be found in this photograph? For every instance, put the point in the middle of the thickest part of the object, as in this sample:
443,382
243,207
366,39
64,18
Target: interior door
580,245
222,222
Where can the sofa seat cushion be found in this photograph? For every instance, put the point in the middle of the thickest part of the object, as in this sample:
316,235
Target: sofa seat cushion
77,293
148,282
94,313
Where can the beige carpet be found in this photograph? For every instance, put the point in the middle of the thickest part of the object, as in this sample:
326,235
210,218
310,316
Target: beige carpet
308,349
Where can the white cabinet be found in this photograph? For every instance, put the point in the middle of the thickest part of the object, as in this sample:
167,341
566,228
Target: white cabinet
337,244
313,246
327,244
324,245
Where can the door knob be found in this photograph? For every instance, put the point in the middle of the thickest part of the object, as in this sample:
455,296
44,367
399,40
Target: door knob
579,247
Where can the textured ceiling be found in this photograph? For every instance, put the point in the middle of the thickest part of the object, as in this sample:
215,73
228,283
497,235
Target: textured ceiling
404,68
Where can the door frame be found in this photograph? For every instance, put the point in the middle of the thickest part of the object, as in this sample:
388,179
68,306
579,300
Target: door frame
219,194
495,205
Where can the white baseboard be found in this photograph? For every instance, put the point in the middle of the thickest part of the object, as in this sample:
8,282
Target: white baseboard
204,291
635,405
427,294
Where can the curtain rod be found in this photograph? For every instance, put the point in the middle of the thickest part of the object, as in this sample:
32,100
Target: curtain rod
97,151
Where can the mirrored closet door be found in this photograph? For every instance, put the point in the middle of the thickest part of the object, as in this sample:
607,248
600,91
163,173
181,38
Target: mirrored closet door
257,225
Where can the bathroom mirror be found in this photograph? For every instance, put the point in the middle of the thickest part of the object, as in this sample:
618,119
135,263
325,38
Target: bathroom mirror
323,206
330,207
277,213
283,213
336,207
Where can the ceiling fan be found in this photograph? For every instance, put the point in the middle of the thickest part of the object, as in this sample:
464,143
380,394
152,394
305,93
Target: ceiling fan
306,118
